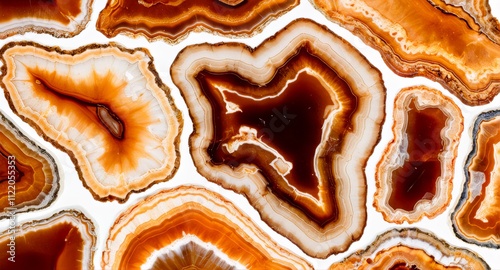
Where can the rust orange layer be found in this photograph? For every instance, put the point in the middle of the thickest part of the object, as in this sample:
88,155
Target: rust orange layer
173,20
28,175
418,38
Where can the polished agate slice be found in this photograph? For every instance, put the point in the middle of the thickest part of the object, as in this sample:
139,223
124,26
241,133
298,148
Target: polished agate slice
66,240
414,176
103,105
419,38
58,18
290,125
476,218
29,178
173,20
411,249
191,227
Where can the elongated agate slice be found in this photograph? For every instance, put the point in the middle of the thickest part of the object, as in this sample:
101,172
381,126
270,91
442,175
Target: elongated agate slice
290,125
411,249
173,20
422,38
103,105
58,18
29,178
476,218
191,227
414,176
66,240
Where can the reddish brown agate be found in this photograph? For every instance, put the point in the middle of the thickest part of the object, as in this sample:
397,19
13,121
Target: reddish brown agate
192,228
290,125
414,176
173,20
411,249
66,240
58,18
476,218
103,105
29,178
422,38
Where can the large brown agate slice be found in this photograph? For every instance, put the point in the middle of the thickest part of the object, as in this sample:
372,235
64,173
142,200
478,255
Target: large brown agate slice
66,240
191,228
414,176
411,249
29,178
444,42
58,18
172,20
102,104
290,125
476,218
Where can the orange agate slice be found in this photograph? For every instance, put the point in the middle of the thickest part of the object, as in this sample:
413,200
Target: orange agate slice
444,42
411,249
414,176
103,105
476,218
29,178
173,20
66,240
290,125
191,228
58,18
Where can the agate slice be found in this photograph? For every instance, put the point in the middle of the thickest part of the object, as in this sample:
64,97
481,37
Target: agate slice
173,20
414,176
29,178
431,39
103,105
411,249
476,218
58,18
66,240
290,125
192,228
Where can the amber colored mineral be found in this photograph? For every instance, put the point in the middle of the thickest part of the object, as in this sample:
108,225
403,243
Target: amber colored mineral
104,105
29,178
476,218
191,228
411,249
414,176
290,125
455,44
173,20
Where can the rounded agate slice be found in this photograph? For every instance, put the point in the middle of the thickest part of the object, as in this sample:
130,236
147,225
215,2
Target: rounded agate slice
173,20
191,228
58,18
411,249
66,240
476,218
414,177
102,104
440,41
29,179
290,125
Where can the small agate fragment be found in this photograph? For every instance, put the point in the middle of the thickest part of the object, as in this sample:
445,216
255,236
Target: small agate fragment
443,42
290,125
29,179
104,105
66,240
191,228
411,249
476,218
61,19
173,20
414,176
